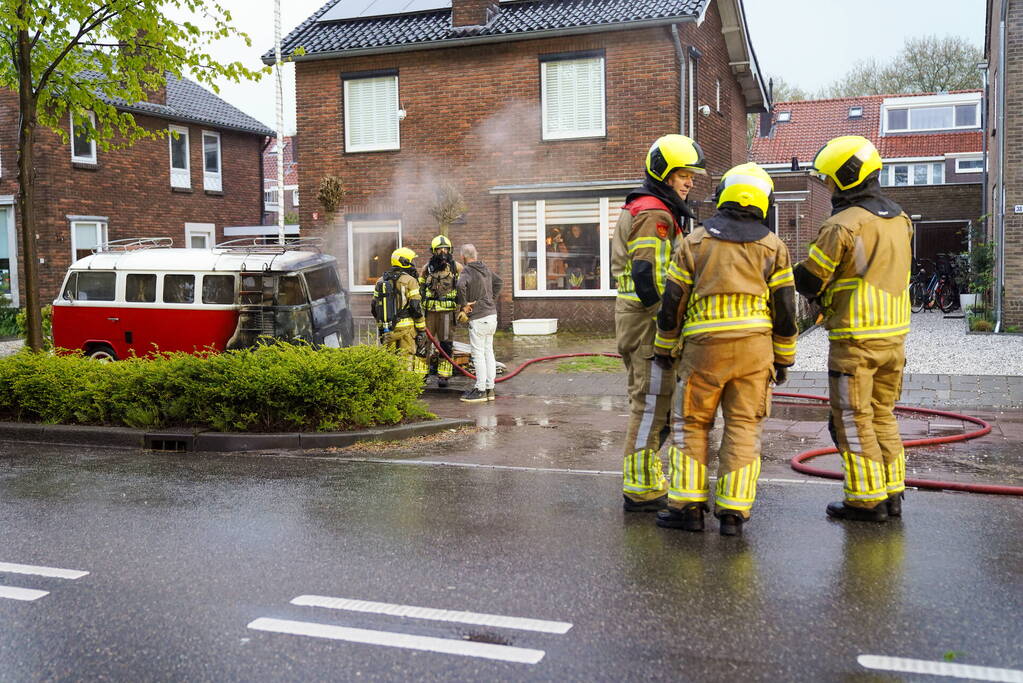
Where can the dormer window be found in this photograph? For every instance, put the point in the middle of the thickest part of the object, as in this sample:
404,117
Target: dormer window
784,116
934,113
855,112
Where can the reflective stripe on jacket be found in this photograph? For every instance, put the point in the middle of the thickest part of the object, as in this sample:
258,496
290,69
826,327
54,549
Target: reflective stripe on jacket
863,261
645,232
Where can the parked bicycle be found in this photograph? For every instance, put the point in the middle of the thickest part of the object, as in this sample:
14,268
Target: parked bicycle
937,290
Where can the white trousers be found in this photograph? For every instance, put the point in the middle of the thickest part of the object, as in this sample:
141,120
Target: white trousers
481,339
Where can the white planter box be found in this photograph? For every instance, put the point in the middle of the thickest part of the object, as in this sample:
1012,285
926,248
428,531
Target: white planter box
967,300
535,326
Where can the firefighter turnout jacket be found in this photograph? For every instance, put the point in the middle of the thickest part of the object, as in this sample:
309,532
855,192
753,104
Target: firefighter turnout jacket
641,249
859,267
730,305
438,285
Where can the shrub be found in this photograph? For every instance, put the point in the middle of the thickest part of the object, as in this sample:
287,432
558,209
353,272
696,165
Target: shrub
981,325
9,322
22,322
274,387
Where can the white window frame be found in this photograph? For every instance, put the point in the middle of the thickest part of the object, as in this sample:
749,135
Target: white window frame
717,95
929,105
180,177
104,234
605,212
595,132
213,182
784,116
887,177
271,198
294,195
381,225
207,230
91,159
960,169
9,233
373,146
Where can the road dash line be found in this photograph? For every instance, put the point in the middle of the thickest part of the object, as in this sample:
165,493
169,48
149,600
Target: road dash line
407,641
413,612
26,594
932,668
52,572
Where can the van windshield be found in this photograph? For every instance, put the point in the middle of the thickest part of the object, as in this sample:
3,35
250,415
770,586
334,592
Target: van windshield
323,282
289,291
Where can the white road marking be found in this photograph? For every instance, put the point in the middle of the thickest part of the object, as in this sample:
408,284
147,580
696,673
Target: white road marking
464,648
52,572
412,612
15,593
923,666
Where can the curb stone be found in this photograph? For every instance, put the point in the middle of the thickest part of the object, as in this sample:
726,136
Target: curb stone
217,442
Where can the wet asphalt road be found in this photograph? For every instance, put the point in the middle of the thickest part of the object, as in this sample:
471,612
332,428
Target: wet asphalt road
185,551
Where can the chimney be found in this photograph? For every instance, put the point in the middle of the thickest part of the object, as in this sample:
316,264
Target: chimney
469,12
157,95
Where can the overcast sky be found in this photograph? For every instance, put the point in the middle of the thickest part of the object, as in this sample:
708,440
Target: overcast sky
809,43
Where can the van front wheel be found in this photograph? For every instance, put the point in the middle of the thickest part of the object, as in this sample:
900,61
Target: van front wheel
102,353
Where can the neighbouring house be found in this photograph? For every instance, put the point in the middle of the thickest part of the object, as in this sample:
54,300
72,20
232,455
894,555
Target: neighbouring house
538,113
931,146
274,201
190,186
1004,194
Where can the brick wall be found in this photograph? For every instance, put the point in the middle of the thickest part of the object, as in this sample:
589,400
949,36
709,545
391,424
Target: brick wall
803,203
1013,132
131,187
473,119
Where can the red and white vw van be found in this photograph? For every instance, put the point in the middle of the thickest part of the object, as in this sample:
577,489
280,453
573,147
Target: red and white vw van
140,296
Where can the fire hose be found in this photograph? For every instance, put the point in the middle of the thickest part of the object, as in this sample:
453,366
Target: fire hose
797,463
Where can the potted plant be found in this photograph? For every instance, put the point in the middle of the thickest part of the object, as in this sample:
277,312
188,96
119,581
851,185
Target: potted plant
982,268
963,277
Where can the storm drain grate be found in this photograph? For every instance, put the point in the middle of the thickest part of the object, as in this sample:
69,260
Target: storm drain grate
166,444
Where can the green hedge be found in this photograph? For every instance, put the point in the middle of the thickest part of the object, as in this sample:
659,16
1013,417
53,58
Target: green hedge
275,387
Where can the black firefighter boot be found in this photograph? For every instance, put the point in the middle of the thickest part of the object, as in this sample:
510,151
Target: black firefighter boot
878,513
895,504
731,523
630,505
689,518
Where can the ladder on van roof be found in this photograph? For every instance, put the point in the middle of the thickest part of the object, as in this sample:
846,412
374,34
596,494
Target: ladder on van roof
256,297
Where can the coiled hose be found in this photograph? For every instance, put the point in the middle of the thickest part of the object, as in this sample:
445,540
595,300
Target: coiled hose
798,462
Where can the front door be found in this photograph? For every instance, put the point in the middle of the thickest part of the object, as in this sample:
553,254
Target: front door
8,258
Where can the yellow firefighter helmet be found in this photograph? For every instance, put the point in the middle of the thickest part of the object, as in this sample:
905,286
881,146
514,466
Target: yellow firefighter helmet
440,242
672,152
848,160
749,186
402,257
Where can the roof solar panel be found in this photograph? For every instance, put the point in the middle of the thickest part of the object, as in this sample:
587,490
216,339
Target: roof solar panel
361,9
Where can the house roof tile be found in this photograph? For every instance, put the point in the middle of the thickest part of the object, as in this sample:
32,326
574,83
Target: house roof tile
511,19
814,122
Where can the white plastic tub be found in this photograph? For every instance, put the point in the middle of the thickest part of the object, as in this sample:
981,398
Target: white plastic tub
535,326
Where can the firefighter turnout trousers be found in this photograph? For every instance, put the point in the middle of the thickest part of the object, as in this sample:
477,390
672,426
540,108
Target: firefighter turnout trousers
865,381
403,340
441,325
650,393
735,374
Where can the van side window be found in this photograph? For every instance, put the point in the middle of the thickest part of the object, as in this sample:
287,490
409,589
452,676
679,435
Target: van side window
289,291
178,289
92,286
139,287
217,289
71,288
322,283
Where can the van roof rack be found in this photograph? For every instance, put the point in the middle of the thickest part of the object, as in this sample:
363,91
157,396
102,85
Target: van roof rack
270,245
134,244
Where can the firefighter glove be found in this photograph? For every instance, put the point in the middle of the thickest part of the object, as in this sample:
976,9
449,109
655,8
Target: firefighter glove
781,374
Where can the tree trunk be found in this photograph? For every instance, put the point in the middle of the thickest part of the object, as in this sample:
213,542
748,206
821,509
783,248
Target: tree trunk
27,102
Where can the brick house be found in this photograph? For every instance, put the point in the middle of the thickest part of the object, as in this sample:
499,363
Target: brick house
931,145
272,196
189,188
540,113
1004,81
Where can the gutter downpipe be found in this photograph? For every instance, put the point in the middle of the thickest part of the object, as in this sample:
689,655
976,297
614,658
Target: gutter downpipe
1000,225
985,124
681,56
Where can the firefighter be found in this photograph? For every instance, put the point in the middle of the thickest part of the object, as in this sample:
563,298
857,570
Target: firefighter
654,214
437,286
398,309
730,303
859,268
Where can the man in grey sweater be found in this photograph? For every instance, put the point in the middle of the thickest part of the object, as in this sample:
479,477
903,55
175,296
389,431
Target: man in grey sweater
477,293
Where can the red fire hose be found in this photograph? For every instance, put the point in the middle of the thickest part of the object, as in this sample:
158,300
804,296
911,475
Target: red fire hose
797,462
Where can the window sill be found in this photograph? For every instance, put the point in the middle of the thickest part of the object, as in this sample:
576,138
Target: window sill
85,165
183,190
572,138
214,193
